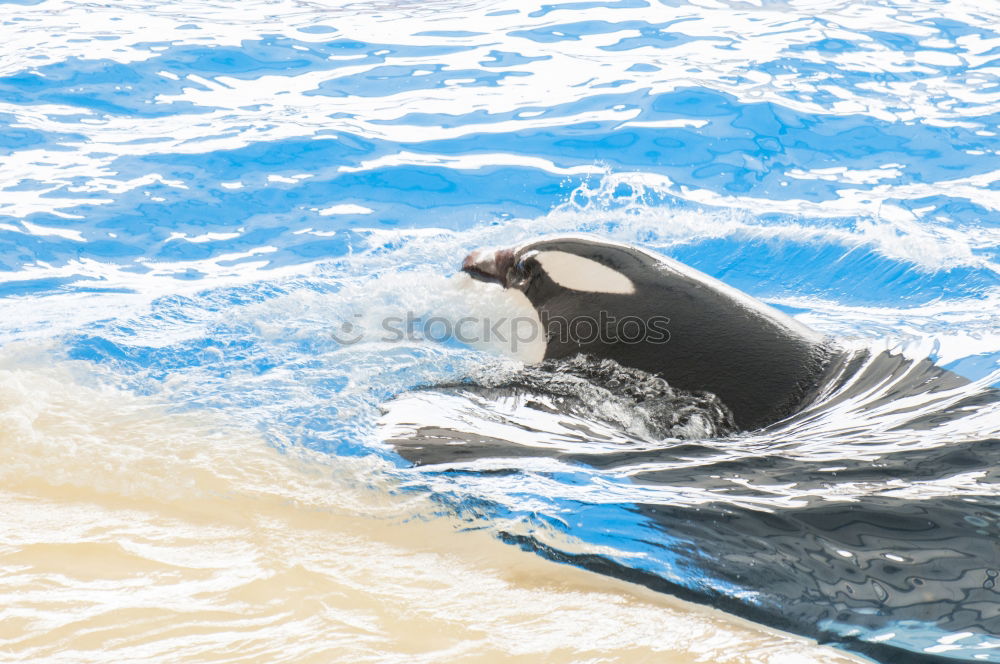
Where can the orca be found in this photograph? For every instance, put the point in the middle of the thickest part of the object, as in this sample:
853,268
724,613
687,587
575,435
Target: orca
650,312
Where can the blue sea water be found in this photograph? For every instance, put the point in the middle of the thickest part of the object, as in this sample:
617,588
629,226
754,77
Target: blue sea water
194,196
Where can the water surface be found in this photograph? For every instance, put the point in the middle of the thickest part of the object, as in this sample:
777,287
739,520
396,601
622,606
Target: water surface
194,195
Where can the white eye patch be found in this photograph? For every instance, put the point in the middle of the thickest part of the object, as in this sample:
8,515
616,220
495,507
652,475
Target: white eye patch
582,274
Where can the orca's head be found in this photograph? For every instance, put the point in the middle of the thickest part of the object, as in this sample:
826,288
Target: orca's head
581,289
571,267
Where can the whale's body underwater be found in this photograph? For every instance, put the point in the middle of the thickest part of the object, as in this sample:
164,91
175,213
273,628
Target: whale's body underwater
766,524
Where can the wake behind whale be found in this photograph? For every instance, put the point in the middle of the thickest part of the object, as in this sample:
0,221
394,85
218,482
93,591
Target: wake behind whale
592,400
865,512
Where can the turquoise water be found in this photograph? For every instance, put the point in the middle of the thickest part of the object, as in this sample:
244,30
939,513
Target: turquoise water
193,195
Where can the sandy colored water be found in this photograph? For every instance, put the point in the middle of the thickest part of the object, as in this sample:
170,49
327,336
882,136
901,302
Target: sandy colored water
136,534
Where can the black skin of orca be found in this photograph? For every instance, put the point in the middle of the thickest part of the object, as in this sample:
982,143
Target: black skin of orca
760,362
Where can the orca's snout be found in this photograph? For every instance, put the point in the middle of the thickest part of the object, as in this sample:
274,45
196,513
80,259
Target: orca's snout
489,265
